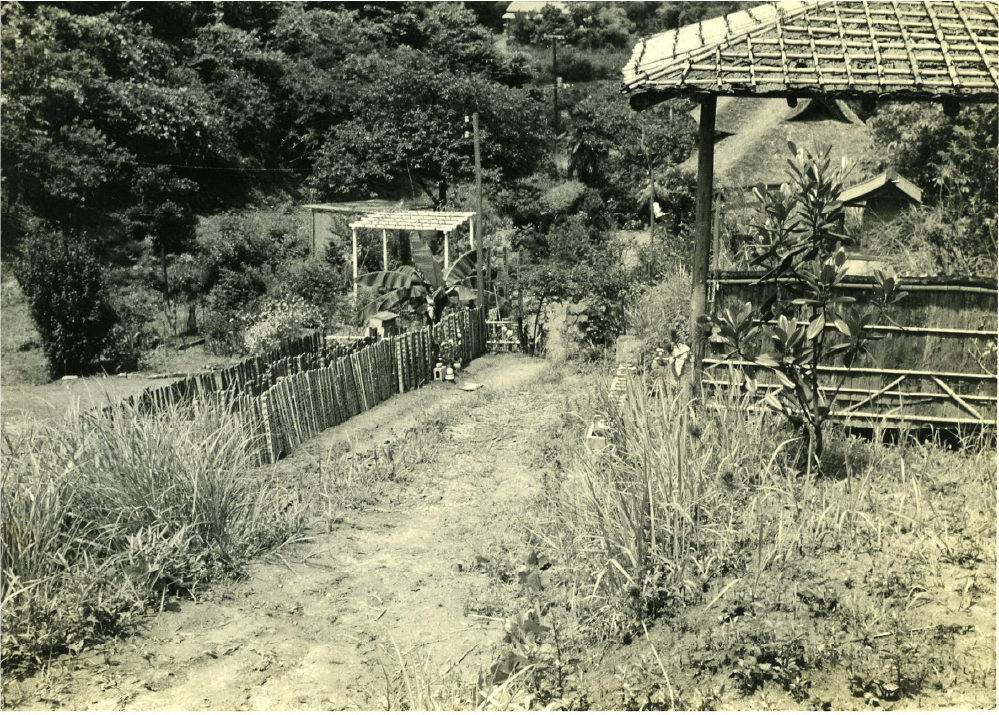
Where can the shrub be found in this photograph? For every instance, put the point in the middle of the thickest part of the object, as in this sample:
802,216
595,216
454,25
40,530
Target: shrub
69,300
277,320
659,315
133,336
226,309
102,516
319,283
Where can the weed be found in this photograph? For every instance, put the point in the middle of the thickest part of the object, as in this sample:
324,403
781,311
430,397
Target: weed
105,515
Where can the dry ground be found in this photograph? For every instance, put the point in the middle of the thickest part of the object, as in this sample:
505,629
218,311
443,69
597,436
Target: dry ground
325,623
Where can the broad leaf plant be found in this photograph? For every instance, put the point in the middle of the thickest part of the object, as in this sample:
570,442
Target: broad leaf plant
806,321
422,287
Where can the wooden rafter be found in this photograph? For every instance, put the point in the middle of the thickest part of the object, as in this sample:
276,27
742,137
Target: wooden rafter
933,49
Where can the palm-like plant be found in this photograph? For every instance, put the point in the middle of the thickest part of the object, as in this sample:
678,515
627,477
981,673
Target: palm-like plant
424,287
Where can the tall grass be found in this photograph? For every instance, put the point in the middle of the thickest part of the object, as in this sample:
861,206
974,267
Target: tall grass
654,516
103,515
687,502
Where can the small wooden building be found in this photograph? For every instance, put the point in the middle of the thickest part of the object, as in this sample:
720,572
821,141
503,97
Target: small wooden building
384,324
876,201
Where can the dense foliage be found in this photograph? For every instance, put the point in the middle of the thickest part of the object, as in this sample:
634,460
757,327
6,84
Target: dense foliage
161,136
70,303
953,160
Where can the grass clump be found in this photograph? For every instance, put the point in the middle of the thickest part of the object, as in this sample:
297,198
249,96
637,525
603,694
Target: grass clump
765,585
104,515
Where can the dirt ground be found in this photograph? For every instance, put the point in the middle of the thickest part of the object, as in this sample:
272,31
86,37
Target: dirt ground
327,622
21,403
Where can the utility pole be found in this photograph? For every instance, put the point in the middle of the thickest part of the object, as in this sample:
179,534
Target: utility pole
478,201
555,78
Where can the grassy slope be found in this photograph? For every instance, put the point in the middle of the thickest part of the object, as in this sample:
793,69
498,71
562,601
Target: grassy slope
21,359
873,586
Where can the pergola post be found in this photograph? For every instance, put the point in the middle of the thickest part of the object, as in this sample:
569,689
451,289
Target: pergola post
702,236
446,250
471,233
353,241
384,250
313,214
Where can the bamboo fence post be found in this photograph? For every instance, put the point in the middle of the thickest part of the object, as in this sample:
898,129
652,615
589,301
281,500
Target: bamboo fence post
267,431
398,362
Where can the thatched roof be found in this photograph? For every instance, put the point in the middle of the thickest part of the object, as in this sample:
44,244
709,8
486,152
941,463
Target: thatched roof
901,50
886,181
752,136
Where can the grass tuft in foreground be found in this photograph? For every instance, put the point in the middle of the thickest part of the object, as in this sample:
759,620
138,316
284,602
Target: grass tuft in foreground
102,517
766,586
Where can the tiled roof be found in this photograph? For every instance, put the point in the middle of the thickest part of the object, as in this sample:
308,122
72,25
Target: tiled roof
901,50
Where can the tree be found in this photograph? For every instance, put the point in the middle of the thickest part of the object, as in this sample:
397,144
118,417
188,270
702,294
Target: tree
953,159
407,120
626,153
423,286
804,322
70,304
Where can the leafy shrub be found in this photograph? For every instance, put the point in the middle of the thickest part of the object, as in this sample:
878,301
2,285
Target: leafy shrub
934,240
319,283
660,313
277,320
133,336
226,309
69,300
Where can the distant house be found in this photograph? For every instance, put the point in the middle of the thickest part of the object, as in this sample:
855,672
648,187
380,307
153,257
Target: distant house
531,9
879,200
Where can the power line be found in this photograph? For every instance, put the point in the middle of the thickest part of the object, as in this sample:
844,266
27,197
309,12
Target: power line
132,162
200,166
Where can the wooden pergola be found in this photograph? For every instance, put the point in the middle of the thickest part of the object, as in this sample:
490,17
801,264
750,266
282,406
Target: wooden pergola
443,221
937,51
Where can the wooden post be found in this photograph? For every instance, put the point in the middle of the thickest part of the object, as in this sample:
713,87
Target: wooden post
702,236
313,212
446,250
478,216
716,232
471,233
353,240
384,250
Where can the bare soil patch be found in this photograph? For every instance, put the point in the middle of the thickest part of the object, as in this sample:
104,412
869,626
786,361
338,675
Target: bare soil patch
327,622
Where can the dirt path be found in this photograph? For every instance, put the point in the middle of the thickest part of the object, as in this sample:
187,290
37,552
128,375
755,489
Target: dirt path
323,624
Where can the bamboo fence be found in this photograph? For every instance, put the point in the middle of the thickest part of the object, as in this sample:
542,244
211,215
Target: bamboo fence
295,392
934,363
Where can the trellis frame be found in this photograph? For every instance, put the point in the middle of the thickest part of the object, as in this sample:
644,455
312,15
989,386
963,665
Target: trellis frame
940,51
443,221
